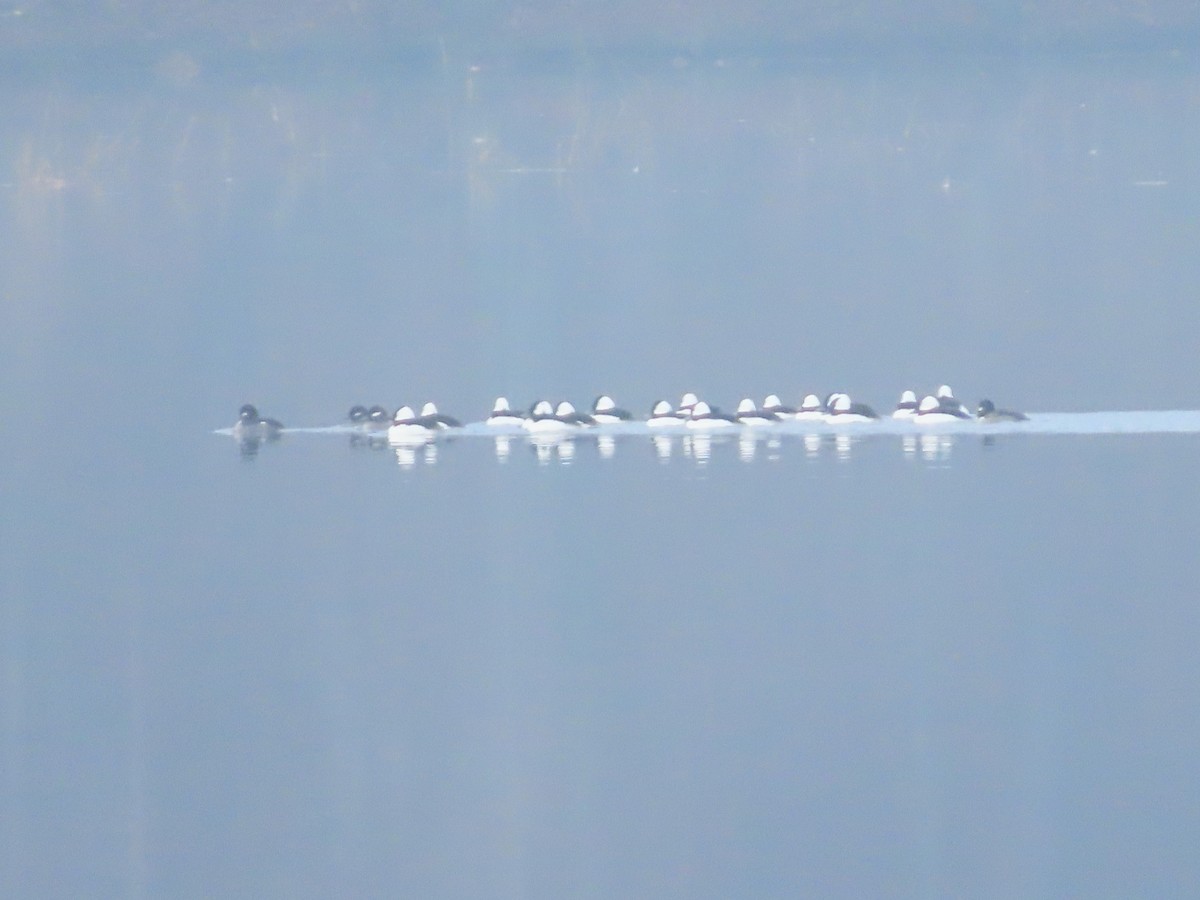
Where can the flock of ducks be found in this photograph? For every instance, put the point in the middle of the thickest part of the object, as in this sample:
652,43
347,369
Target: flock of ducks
692,413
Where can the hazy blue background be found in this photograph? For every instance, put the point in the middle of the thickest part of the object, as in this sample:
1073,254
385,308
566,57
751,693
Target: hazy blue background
316,673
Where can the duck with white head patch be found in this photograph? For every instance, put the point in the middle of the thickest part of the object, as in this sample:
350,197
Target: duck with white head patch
503,416
408,427
687,403
773,404
811,408
547,418
947,399
251,425
431,418
662,416
541,419
843,411
749,414
370,421
706,418
606,412
567,413
933,411
907,407
989,414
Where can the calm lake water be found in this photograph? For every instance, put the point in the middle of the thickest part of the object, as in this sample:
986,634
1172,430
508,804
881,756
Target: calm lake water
868,667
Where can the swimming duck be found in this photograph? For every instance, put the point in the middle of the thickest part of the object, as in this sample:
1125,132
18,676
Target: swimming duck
663,416
773,404
749,414
989,413
936,411
606,412
843,411
811,407
503,415
407,427
907,407
946,397
251,425
705,417
431,418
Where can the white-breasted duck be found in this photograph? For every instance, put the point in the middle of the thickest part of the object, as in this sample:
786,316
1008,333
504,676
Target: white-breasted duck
749,414
250,424
504,416
811,407
907,407
773,404
431,418
606,412
408,427
934,411
663,416
843,411
705,417
567,413
687,403
946,397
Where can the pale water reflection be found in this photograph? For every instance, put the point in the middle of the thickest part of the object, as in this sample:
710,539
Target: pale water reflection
410,451
552,448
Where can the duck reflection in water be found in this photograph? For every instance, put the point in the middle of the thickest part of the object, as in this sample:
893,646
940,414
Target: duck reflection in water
411,449
664,446
549,447
248,446
747,447
751,444
369,441
935,448
700,447
503,447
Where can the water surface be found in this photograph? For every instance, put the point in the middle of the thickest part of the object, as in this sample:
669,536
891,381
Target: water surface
865,664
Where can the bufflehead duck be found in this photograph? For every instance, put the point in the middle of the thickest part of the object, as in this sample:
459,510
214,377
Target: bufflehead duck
407,427
704,416
774,405
372,419
811,407
251,425
567,413
687,403
431,418
503,415
989,413
541,418
544,417
368,425
843,411
606,412
946,397
748,414
933,411
907,407
662,416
